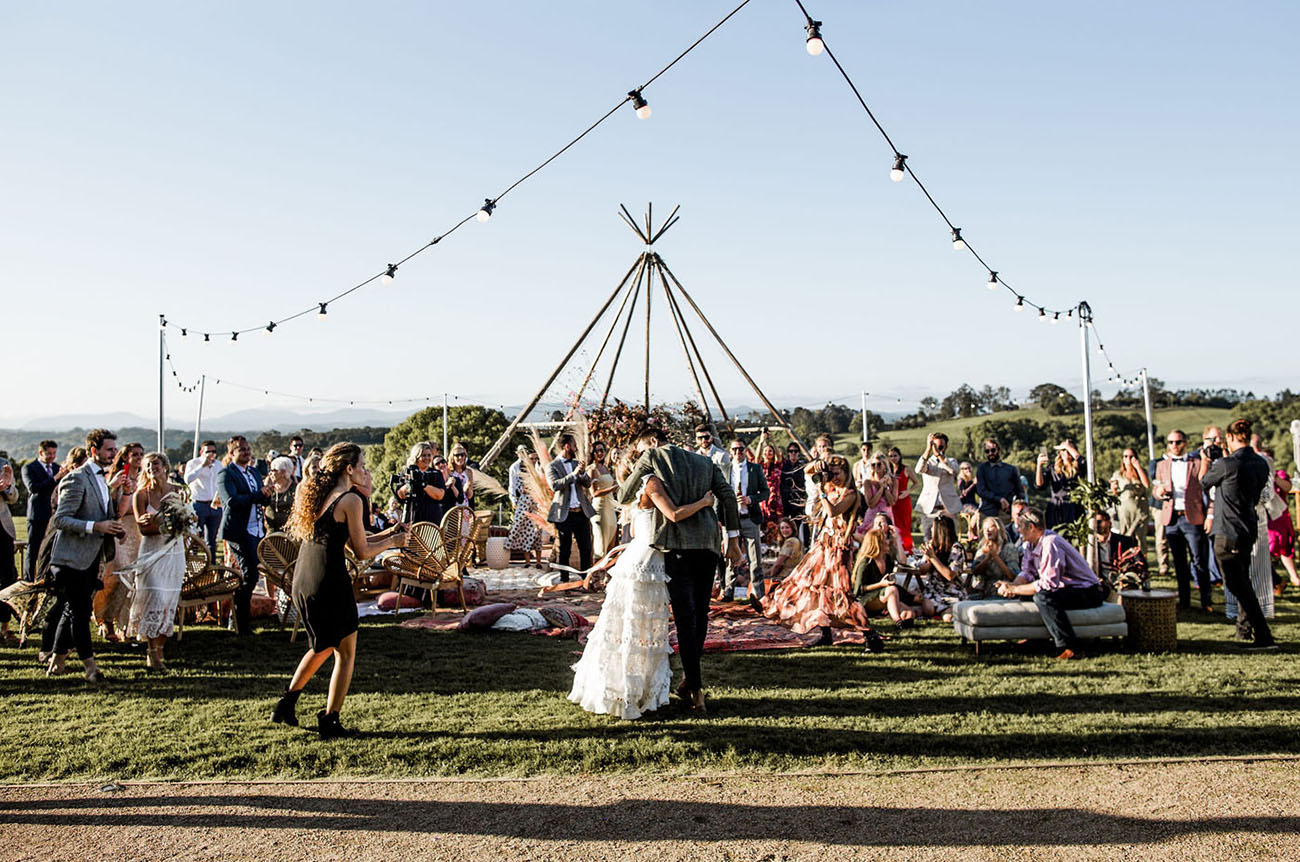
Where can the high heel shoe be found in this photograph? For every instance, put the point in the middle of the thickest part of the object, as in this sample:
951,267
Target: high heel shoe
93,673
56,667
329,726
827,638
284,708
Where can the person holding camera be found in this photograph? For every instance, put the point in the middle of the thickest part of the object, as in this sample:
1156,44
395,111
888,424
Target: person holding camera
938,475
420,487
1238,478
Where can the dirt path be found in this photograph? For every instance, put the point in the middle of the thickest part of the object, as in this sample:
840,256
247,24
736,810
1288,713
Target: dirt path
1223,810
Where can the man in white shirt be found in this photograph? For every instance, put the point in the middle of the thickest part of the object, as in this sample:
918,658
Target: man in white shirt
750,485
938,475
201,476
295,453
571,509
1177,487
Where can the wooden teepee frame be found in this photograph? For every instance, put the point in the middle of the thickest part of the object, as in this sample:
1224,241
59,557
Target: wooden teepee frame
640,279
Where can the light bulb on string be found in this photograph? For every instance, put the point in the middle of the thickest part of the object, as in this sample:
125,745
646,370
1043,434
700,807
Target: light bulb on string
1056,318
1042,315
485,212
234,336
184,332
814,44
207,339
993,279
387,278
900,167
639,103
270,327
958,244
1020,303
321,314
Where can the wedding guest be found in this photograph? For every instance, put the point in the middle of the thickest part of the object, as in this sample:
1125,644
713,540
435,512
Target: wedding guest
39,477
747,480
814,474
877,488
945,560
1261,563
160,570
906,478
85,528
967,493
1281,532
876,588
112,603
242,524
604,524
772,507
789,552
1131,485
8,536
310,465
1182,517
281,488
299,460
201,477
525,533
421,487
75,458
1059,579
459,477
705,445
793,496
328,517
818,593
860,466
1239,478
264,464
571,508
1158,531
1112,549
997,482
938,482
1061,476
996,558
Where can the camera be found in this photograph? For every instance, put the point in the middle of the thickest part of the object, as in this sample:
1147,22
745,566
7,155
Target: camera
1214,452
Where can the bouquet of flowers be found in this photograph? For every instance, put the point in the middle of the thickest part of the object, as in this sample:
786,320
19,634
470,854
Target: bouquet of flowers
176,518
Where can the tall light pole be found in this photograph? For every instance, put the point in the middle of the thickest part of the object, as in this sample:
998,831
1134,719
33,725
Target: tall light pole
162,355
1151,434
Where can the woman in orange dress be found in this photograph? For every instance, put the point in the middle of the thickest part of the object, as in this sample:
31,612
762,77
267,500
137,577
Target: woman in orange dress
818,593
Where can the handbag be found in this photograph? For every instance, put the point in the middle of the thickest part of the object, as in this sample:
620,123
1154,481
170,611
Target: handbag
1274,505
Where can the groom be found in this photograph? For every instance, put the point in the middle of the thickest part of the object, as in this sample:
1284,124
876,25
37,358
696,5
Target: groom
690,547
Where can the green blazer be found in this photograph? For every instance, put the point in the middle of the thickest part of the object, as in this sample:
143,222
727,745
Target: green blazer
686,477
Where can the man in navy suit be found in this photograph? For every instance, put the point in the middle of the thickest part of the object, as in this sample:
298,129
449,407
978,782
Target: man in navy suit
242,527
40,477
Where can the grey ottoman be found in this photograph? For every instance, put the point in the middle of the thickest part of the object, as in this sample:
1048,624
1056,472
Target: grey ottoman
1009,619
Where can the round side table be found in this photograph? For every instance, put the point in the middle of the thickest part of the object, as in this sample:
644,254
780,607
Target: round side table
1152,619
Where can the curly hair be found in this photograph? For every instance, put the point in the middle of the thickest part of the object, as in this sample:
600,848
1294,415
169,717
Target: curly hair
313,491
96,438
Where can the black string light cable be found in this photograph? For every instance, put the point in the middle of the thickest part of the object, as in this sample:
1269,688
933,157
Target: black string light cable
817,45
1114,376
642,108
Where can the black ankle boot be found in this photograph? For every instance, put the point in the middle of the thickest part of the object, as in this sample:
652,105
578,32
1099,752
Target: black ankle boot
329,726
284,708
826,639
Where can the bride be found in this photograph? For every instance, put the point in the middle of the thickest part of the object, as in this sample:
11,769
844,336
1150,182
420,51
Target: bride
160,566
624,669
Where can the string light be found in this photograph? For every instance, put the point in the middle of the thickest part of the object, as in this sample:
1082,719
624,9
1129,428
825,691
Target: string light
900,167
993,280
184,332
321,314
1056,318
387,278
814,44
206,338
958,244
1020,303
485,212
234,336
270,327
639,103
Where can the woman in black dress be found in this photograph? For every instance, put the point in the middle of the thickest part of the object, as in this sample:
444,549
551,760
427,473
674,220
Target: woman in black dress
329,514
1061,476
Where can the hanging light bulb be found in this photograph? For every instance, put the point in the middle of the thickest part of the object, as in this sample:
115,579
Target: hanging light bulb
207,339
1020,303
1042,315
1056,318
993,279
815,44
321,314
899,168
387,278
485,211
270,327
184,332
234,336
958,244
639,102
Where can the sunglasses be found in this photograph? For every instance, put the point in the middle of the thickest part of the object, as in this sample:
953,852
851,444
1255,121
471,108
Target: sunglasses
1180,440
737,448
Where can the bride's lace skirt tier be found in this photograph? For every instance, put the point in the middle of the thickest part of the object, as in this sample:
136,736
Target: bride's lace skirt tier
624,669
160,572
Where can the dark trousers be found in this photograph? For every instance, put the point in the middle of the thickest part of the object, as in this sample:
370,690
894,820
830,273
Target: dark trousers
68,623
35,535
8,571
575,527
244,550
209,525
1052,605
690,583
1234,563
1187,543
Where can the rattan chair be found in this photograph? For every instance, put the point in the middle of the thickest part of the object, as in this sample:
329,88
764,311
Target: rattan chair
205,583
277,555
427,561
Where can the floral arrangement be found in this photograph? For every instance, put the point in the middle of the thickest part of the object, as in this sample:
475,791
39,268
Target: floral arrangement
177,518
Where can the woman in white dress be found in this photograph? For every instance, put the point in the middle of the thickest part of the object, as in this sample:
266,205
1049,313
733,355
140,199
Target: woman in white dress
624,669
160,565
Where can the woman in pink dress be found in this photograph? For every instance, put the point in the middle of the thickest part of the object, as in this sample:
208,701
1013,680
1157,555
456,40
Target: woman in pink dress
1281,532
903,501
818,593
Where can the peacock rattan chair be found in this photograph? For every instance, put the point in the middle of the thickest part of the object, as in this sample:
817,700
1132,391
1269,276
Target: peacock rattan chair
205,583
277,555
425,562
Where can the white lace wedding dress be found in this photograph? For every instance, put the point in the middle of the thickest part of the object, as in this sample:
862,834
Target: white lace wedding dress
160,572
624,669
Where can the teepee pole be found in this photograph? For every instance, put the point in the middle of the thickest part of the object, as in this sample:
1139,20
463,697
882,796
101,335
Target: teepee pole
691,338
514,423
613,324
686,351
649,291
768,404
622,339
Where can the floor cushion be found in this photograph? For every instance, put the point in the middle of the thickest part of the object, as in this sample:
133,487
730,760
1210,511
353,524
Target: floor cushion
1010,619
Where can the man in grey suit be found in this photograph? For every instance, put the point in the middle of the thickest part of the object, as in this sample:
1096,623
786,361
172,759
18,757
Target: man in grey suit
571,510
85,529
690,547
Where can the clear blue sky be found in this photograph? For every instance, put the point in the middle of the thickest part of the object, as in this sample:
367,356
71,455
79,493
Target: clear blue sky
230,163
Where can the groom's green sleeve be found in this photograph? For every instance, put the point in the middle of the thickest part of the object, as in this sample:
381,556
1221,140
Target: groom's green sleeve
632,484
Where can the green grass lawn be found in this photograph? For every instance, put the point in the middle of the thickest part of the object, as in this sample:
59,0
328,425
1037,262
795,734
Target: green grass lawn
438,703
